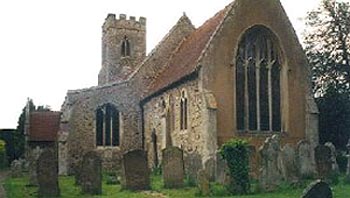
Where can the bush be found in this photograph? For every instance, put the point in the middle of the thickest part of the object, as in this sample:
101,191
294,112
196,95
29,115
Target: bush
236,154
3,160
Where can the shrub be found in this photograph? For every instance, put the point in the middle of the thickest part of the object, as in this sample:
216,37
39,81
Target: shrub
3,160
236,154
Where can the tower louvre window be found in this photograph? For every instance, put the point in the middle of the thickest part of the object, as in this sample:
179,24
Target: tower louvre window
258,105
125,49
107,126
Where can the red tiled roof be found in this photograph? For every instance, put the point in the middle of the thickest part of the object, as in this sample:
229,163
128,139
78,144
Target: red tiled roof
184,60
43,126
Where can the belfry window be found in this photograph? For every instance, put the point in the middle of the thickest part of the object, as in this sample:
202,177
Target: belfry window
183,111
258,94
107,126
125,49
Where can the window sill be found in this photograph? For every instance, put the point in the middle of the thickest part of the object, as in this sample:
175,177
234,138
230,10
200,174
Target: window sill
261,133
107,147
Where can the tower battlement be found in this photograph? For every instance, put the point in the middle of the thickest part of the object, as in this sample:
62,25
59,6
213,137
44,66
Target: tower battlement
123,22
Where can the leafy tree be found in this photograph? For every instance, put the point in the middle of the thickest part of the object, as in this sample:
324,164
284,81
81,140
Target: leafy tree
327,46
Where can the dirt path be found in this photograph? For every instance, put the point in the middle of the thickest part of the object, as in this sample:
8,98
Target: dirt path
3,175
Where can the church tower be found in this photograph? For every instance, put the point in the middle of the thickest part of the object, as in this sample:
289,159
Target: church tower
123,47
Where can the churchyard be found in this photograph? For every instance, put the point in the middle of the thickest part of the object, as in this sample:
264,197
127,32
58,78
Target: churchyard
278,177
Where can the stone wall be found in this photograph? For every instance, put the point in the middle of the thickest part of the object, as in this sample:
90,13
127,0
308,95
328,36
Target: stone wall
197,141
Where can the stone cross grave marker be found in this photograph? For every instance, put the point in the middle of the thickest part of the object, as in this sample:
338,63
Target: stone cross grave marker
135,171
173,167
91,173
47,174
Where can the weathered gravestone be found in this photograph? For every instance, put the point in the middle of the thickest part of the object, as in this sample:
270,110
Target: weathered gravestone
33,157
323,161
135,171
91,173
270,173
203,182
317,189
47,174
221,173
335,167
173,167
289,165
305,160
193,163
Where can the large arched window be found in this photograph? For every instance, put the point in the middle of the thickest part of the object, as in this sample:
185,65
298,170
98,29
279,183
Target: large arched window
125,50
258,105
107,126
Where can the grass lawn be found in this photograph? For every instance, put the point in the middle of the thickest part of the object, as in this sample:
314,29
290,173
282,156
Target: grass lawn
16,188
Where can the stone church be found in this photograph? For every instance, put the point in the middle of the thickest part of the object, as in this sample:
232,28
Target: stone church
242,74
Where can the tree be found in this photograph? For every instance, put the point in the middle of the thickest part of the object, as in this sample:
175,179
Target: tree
327,46
327,41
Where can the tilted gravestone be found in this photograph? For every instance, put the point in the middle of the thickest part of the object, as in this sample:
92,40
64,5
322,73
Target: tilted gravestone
135,171
270,173
47,174
323,161
173,167
305,159
317,189
91,173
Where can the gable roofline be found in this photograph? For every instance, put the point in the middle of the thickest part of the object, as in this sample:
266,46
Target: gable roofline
195,65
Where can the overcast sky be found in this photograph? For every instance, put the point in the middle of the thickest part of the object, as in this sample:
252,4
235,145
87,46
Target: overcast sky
48,47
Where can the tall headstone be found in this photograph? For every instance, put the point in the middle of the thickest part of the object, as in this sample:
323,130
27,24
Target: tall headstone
221,173
305,159
135,171
91,173
317,189
203,182
33,156
288,163
270,172
335,166
173,167
47,174
323,157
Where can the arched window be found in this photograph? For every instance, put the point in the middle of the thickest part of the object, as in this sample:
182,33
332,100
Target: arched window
125,51
183,110
107,126
258,82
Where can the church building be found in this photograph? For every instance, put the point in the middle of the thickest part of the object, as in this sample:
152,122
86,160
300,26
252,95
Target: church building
242,74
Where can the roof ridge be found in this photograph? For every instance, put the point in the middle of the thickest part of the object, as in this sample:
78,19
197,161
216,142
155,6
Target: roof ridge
182,18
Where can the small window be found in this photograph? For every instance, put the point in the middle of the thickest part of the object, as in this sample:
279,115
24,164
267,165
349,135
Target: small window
183,111
107,126
125,51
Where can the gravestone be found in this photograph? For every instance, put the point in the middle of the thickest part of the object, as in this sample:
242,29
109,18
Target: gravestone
91,173
323,161
16,168
335,167
270,173
173,167
33,157
305,159
317,189
221,173
135,171
347,178
203,182
47,174
193,163
289,165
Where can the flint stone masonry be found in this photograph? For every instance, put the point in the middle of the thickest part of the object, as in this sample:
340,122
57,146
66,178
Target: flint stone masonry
270,172
173,167
323,156
91,174
317,189
47,173
135,172
305,159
